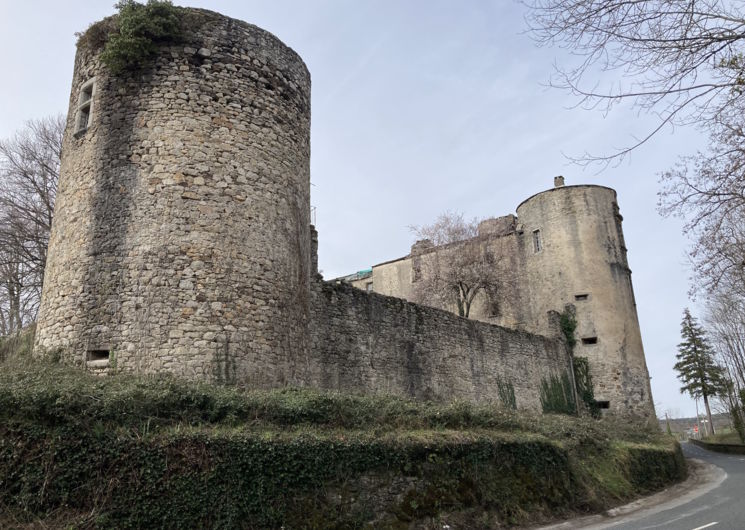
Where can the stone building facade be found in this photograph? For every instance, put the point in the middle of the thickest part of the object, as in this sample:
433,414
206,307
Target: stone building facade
182,243
564,249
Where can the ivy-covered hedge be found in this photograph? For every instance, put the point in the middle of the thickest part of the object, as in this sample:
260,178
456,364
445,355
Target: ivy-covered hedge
137,452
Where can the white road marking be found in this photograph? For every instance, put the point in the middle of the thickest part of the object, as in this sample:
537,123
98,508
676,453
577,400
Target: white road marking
705,526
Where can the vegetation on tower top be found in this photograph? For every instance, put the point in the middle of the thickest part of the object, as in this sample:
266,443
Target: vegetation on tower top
131,38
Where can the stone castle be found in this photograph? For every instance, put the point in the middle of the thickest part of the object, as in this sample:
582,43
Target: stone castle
182,243
565,248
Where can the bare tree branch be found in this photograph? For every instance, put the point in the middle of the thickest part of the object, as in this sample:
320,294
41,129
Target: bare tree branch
29,172
679,60
453,265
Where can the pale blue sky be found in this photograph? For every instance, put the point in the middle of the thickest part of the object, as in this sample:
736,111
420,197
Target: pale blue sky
417,107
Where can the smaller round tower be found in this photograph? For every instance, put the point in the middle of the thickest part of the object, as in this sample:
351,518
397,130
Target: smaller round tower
574,253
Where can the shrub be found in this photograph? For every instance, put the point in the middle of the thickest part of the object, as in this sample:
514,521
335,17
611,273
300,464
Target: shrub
568,324
18,346
506,391
557,395
585,387
131,38
157,452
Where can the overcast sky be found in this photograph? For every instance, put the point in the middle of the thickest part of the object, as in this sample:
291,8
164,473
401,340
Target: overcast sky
418,107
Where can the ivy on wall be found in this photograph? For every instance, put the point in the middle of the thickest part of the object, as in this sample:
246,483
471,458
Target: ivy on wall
585,388
506,391
557,395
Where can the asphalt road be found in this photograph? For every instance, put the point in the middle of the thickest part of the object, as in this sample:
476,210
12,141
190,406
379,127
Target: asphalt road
722,507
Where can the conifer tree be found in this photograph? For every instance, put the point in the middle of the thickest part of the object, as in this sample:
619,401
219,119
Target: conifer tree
697,369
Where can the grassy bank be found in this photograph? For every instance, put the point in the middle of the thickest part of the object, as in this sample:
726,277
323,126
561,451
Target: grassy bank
141,452
727,436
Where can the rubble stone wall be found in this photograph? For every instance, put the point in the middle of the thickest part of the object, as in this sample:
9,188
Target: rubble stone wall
375,343
180,240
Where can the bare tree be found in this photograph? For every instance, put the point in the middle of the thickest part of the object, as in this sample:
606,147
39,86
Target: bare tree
725,321
708,191
679,60
29,172
453,265
682,61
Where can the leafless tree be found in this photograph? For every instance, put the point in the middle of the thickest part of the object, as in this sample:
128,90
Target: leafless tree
683,62
725,320
708,191
29,172
679,60
453,265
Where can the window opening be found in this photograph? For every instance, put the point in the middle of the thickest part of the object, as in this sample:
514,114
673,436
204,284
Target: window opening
85,106
589,340
98,355
537,242
581,297
603,404
368,287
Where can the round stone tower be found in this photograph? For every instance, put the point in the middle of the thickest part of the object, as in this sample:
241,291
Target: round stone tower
181,237
574,253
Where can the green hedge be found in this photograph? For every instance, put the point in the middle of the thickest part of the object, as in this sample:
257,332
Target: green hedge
137,452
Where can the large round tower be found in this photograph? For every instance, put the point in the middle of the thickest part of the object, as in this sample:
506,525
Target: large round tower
181,235
574,253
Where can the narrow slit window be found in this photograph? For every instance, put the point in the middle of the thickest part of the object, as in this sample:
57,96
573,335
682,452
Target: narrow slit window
589,340
537,242
84,113
581,297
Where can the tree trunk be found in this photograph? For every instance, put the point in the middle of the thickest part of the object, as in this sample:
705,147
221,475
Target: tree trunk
708,414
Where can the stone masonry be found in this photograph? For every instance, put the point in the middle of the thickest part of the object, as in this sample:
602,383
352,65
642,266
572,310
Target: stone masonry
387,345
564,248
180,239
182,243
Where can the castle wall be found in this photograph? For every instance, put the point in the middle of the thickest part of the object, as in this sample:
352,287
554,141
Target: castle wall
394,278
180,243
504,305
566,246
180,239
582,261
366,342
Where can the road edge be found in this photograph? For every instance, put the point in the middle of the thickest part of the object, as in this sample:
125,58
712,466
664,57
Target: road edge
702,478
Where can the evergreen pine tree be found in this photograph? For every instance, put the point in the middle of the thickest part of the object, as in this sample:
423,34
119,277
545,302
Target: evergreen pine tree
697,369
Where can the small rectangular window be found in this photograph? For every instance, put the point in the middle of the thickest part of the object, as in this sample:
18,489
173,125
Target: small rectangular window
98,355
537,243
581,297
589,340
369,287
84,111
603,404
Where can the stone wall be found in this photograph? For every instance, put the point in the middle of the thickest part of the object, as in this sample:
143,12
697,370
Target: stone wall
566,246
367,342
504,305
180,240
582,261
